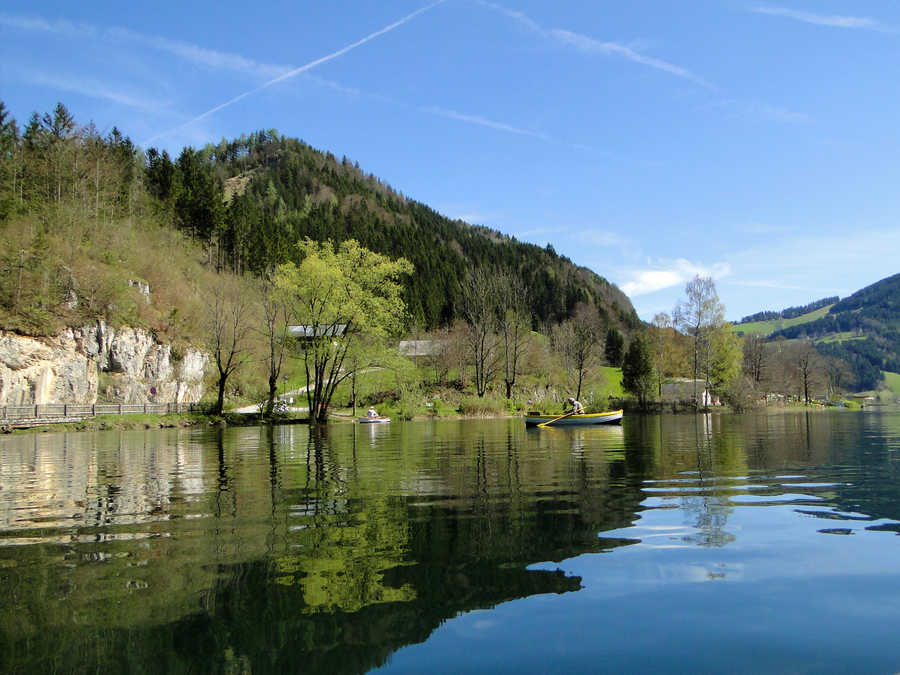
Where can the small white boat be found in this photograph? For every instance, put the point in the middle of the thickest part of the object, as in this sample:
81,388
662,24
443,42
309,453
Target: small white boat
373,420
533,419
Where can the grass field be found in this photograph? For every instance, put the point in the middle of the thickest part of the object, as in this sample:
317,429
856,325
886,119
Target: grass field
769,327
613,381
842,337
892,380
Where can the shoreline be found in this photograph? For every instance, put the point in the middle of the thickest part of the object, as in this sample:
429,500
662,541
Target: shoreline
138,421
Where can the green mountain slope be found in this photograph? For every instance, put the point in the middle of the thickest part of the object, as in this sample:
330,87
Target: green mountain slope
863,329
85,219
769,326
280,190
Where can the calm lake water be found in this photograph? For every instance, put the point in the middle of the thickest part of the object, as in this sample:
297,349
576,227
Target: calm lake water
671,544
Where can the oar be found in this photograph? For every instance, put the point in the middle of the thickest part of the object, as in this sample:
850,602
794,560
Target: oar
548,423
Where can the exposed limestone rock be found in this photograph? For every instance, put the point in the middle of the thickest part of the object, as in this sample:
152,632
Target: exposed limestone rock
79,365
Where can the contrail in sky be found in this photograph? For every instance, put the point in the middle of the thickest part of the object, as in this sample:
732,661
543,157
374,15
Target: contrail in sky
302,69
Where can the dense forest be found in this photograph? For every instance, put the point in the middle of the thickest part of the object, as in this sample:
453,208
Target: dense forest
251,198
246,202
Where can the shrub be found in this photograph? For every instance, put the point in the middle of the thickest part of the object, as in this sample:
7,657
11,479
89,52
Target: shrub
482,407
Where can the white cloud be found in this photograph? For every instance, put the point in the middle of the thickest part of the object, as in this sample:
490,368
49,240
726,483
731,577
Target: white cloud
58,27
758,110
763,228
770,283
806,261
483,121
302,69
832,20
192,53
666,274
93,89
604,238
585,43
338,87
780,114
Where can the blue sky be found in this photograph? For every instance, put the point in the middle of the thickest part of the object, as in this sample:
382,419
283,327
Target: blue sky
650,141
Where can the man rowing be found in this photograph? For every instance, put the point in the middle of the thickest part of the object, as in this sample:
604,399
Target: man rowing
576,407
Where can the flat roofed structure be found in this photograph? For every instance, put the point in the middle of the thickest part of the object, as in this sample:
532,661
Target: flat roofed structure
300,332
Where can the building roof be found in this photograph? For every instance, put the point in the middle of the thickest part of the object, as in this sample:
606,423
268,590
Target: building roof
420,347
319,330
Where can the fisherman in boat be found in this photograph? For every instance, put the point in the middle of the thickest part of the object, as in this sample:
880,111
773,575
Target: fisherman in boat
372,413
577,408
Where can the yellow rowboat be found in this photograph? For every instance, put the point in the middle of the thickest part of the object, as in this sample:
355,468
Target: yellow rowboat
532,419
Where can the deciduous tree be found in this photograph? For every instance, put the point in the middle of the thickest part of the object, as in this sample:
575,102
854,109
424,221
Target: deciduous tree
337,294
577,341
513,322
754,353
229,329
696,316
480,307
276,317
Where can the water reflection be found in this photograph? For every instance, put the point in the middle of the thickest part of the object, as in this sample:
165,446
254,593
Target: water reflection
173,547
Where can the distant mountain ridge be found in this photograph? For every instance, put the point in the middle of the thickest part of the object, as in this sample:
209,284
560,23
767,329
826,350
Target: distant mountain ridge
862,329
281,189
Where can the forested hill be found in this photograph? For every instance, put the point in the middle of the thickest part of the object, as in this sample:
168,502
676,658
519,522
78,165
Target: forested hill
277,190
863,329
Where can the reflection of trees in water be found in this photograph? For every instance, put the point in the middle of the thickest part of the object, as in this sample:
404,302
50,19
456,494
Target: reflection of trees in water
307,551
710,507
90,479
694,458
854,451
354,607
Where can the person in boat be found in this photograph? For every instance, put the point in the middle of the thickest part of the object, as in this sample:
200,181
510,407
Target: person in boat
576,407
372,413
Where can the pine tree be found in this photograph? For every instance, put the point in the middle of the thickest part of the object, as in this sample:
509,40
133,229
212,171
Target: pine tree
615,347
637,370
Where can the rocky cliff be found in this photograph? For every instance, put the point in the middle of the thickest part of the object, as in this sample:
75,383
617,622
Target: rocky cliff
97,362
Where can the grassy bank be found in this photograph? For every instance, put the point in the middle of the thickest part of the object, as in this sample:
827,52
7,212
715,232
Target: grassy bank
171,421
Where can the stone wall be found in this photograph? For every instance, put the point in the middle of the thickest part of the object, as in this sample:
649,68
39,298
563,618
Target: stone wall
96,362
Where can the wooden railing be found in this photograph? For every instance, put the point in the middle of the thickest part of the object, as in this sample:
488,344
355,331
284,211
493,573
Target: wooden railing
63,411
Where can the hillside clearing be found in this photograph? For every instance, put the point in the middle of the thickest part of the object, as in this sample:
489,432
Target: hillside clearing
892,380
766,328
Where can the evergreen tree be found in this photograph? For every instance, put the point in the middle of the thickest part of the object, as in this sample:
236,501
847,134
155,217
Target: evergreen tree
615,347
9,147
637,371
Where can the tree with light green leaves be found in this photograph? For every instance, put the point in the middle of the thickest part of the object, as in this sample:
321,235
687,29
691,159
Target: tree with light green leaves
336,295
725,357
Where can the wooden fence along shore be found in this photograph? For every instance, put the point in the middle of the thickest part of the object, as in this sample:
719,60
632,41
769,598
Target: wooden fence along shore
24,416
